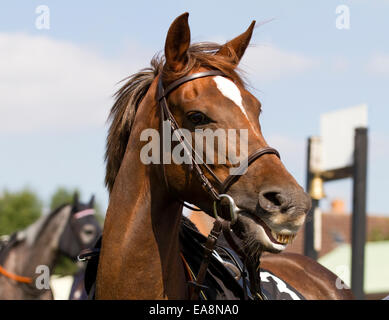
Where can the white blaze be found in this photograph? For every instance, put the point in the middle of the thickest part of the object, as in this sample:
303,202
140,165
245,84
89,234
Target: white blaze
230,91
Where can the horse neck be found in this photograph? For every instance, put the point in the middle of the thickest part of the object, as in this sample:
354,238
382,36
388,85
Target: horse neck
41,241
140,257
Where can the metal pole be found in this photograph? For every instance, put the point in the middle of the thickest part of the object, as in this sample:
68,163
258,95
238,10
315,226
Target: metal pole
359,213
309,249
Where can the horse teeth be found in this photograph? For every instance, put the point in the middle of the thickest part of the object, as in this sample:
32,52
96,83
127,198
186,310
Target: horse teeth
283,238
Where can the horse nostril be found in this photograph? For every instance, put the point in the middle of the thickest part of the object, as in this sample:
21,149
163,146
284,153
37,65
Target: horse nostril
273,197
273,200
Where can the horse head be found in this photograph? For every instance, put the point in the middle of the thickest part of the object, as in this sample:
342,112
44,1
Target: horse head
272,206
82,229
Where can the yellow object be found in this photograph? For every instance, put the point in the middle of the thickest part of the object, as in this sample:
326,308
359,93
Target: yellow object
316,190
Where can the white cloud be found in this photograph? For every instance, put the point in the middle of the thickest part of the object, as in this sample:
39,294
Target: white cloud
267,63
52,84
378,64
46,83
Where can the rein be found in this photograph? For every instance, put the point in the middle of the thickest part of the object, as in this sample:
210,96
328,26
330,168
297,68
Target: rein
15,277
4,250
218,193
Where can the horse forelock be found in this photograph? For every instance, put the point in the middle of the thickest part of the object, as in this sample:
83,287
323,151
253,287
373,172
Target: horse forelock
130,95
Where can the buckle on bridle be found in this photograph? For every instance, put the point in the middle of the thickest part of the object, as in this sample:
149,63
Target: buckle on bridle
88,254
233,208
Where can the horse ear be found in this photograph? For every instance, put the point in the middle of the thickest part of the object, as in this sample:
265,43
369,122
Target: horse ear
237,46
92,201
75,198
177,43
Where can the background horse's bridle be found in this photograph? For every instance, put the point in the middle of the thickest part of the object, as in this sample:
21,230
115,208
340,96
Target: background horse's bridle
218,193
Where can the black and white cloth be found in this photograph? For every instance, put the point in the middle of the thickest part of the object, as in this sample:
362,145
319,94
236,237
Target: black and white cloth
221,280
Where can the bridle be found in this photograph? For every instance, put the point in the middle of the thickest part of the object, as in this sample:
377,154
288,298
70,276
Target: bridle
218,193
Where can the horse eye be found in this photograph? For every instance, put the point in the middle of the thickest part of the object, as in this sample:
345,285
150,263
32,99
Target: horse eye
198,118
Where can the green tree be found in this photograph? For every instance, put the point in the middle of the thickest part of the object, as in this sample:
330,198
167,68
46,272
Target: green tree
18,210
65,266
378,234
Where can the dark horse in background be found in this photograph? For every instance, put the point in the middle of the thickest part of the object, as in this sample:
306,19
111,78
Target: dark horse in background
67,230
141,256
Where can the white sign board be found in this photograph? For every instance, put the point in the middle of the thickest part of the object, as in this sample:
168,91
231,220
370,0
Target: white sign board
337,131
317,223
315,164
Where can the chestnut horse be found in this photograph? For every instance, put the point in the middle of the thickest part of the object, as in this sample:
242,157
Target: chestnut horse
140,254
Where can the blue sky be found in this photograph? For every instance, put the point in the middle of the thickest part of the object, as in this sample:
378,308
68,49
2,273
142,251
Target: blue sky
56,85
